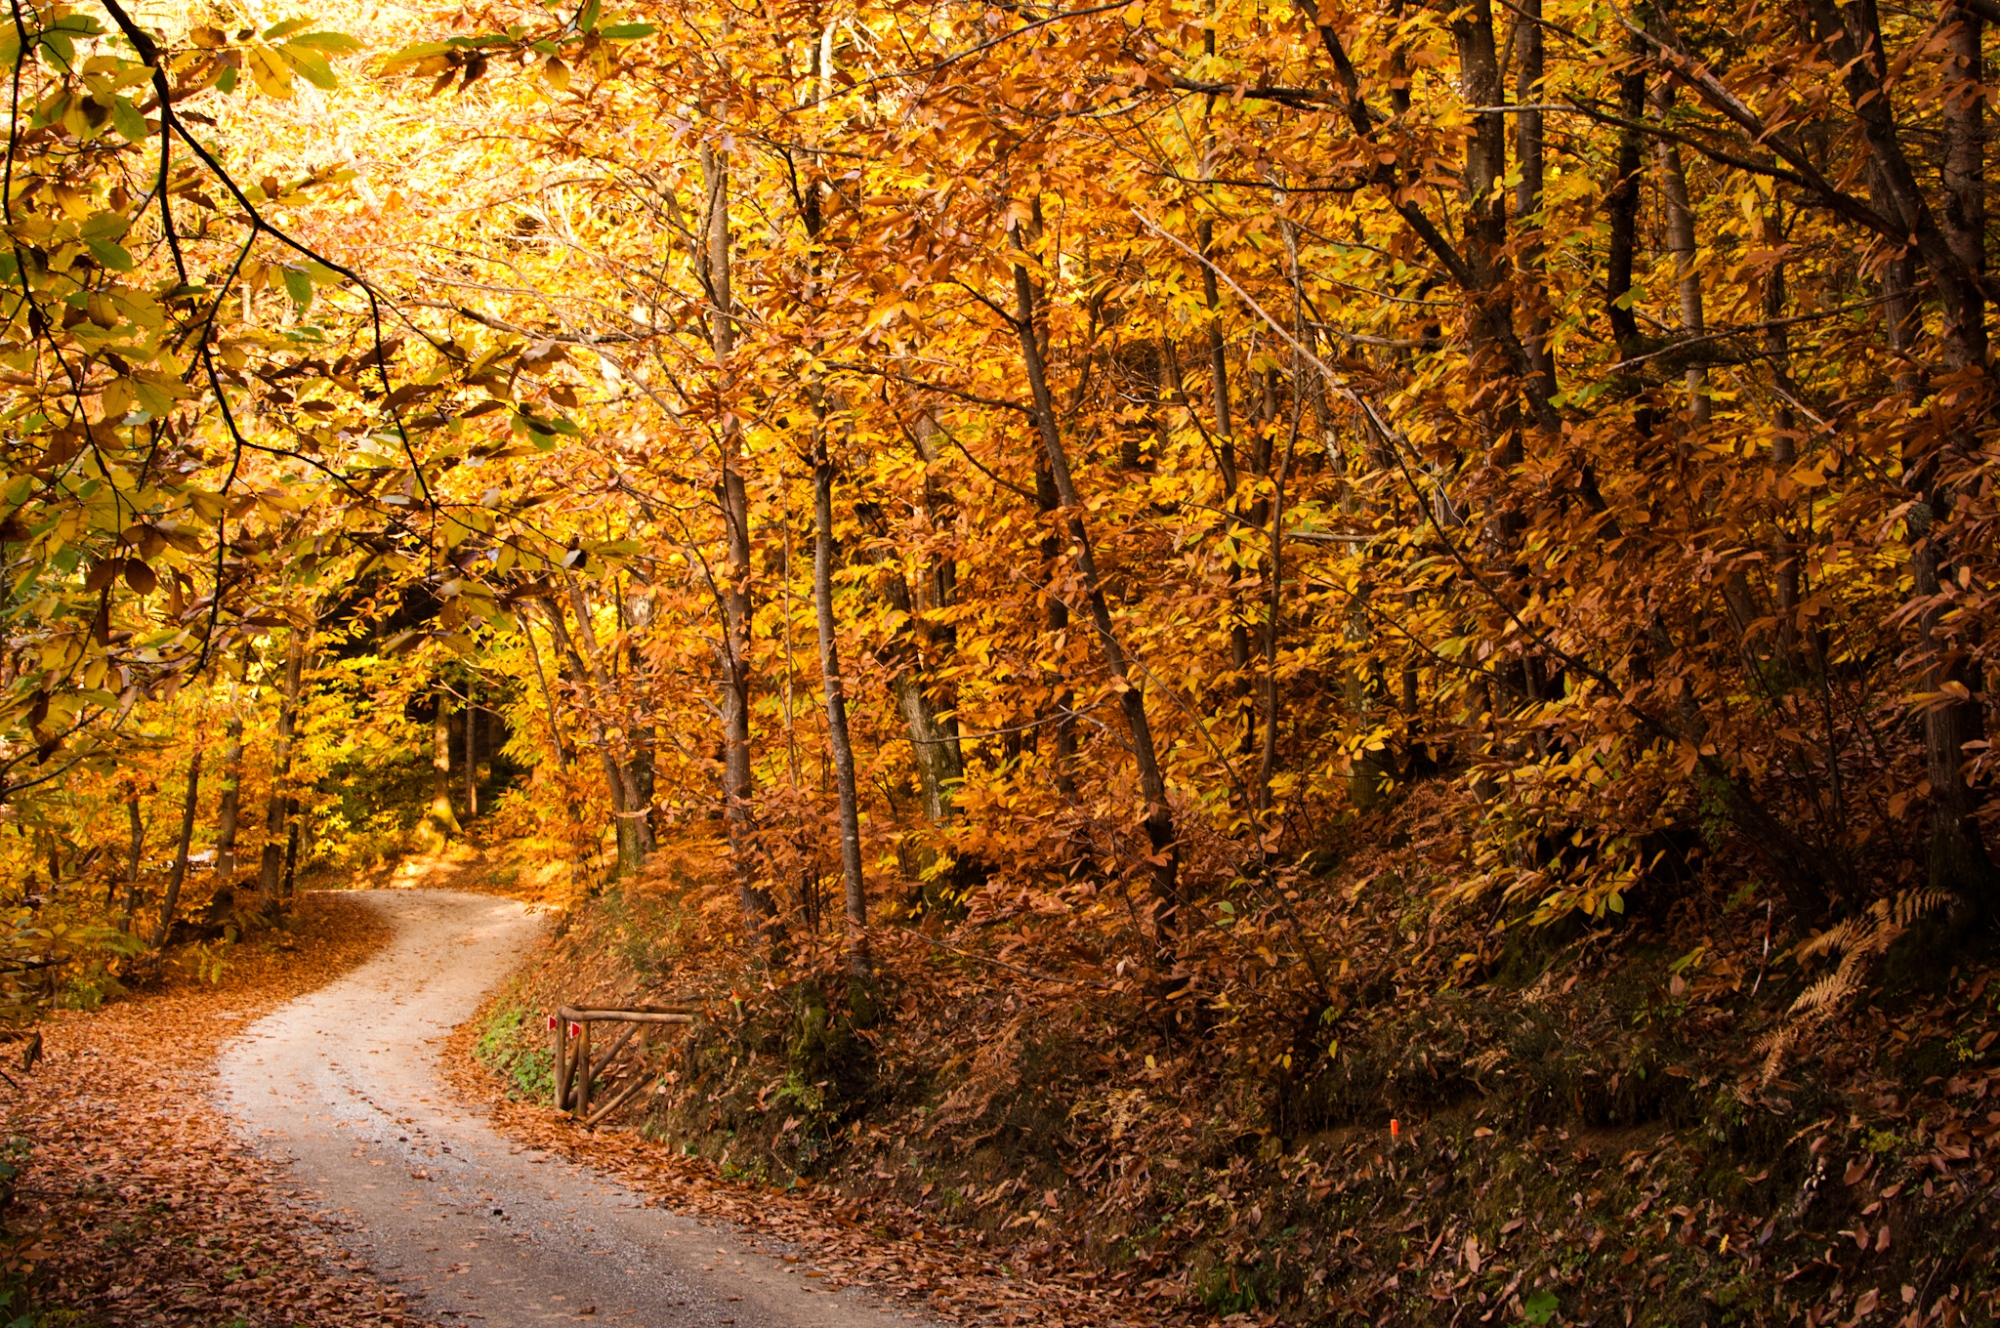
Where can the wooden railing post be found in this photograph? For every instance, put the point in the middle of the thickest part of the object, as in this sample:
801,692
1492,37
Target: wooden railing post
560,1065
575,1067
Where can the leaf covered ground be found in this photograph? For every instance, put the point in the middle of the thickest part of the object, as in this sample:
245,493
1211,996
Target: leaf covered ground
1588,1124
137,1203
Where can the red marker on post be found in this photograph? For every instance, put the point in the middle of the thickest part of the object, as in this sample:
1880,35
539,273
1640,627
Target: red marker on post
1395,1129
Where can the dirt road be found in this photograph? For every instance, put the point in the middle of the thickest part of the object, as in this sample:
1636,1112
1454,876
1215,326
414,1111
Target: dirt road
474,1228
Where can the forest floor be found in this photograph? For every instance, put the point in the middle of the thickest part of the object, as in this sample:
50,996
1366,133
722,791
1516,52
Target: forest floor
375,1197
137,1203
1591,1133
473,1226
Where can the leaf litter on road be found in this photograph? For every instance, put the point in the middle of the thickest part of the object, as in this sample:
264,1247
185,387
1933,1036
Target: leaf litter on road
139,1204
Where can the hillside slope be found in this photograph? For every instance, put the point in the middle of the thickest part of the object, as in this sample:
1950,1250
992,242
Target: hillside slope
1593,1131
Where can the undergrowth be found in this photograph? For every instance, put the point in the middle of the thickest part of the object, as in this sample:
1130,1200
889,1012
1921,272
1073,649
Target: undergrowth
1577,1127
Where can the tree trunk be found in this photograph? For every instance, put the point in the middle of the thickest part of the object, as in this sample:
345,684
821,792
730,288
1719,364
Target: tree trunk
471,754
1529,157
734,501
1159,817
1681,244
132,862
1958,857
614,775
635,833
443,821
935,748
1056,620
232,793
563,754
856,889
1953,253
1622,202
278,813
1785,550
179,874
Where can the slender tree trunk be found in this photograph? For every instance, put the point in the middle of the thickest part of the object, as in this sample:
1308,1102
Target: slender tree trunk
644,738
471,753
935,747
856,889
1953,252
635,833
232,792
1529,157
1784,548
733,499
1958,856
278,813
138,847
563,754
1681,244
179,874
940,635
1056,621
1622,202
1159,817
937,754
614,775
443,821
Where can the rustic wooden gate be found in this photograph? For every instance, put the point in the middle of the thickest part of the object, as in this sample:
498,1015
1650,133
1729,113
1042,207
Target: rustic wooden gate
577,1068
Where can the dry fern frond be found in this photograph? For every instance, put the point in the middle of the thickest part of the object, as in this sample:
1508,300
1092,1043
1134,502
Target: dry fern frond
1856,940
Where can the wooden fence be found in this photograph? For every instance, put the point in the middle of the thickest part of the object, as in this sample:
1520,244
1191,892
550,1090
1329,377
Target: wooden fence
577,1070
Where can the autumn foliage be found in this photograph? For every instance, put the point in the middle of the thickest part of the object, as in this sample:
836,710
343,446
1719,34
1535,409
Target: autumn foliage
1064,481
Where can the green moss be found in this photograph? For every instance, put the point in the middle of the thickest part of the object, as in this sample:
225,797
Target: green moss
508,1044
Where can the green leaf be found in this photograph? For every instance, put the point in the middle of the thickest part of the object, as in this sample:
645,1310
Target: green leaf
111,255
285,28
226,80
1540,1307
586,18
125,118
310,63
627,31
299,286
335,42
418,51
104,226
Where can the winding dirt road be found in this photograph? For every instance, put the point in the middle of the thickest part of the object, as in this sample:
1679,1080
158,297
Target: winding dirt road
472,1227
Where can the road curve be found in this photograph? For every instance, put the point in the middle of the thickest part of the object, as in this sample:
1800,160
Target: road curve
473,1228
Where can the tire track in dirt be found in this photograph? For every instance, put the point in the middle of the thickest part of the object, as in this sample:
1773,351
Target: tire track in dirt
344,1084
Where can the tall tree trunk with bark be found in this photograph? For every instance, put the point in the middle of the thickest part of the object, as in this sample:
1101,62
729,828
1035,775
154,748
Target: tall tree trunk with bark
442,820
614,775
1681,244
635,832
733,499
1159,816
471,753
1952,250
278,813
172,899
232,792
1958,858
934,747
855,892
138,847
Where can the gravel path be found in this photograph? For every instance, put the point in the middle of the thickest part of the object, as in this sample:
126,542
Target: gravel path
472,1227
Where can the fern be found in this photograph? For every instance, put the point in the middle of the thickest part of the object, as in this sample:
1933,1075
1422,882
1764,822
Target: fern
1858,941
